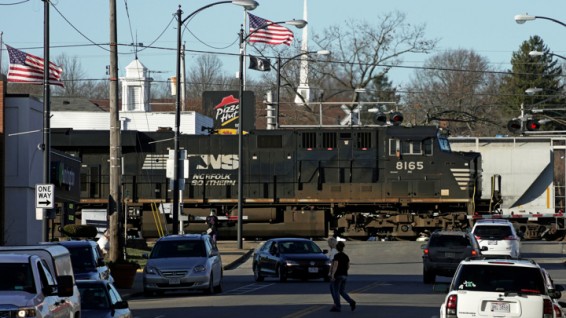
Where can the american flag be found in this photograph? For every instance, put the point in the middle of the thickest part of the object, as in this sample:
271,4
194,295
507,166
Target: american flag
27,68
273,33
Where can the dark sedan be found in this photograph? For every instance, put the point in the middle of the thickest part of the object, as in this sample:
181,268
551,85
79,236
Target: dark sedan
100,299
290,258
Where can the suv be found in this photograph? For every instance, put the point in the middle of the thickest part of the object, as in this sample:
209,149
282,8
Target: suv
444,251
499,236
88,262
183,262
502,288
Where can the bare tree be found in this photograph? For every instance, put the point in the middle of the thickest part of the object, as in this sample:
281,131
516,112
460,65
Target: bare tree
459,88
205,75
73,76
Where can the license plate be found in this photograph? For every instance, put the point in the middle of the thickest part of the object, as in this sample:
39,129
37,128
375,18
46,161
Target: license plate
500,307
491,242
174,281
450,255
313,269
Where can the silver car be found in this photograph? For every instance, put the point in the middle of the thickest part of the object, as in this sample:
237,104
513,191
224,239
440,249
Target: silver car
183,262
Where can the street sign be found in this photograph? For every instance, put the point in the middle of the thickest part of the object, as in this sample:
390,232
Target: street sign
44,196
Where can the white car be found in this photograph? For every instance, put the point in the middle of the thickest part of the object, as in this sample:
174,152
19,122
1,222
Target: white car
500,288
499,236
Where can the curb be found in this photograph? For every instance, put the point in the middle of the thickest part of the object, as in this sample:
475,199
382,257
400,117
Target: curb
239,260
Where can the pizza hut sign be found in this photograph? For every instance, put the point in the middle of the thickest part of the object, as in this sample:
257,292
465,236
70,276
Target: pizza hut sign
226,114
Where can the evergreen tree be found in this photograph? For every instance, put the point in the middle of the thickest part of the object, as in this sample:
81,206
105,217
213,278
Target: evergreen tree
528,72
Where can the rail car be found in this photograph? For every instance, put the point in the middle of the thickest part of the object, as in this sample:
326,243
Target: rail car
383,182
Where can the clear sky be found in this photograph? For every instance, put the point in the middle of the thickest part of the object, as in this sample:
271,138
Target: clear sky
486,26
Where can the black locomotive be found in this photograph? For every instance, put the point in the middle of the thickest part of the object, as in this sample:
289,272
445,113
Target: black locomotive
381,182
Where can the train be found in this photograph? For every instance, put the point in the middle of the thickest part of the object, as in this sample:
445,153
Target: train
371,182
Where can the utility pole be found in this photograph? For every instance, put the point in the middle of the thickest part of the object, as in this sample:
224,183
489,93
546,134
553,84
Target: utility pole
114,198
46,116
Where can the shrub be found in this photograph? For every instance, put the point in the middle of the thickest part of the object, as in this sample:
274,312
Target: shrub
78,230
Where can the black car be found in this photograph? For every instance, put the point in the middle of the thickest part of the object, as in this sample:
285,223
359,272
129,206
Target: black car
100,299
88,262
445,250
290,258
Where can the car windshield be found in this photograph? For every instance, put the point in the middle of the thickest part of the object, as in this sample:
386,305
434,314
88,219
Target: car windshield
449,241
299,247
496,232
496,278
93,297
81,258
16,277
181,248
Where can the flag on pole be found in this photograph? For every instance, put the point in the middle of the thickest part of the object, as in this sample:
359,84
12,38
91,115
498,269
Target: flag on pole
265,31
28,68
259,64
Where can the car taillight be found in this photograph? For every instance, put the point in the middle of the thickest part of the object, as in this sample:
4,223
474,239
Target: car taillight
425,251
510,238
557,311
451,306
548,309
474,253
477,237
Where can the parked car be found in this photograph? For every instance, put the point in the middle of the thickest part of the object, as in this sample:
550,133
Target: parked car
444,251
290,258
88,262
500,288
183,262
499,236
100,299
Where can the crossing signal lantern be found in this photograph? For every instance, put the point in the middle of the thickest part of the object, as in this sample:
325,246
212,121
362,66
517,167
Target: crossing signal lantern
380,118
533,124
396,118
514,126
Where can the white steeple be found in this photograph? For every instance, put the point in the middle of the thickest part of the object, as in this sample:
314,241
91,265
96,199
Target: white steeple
135,88
304,89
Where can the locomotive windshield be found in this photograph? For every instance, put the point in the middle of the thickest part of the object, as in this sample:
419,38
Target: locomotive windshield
443,143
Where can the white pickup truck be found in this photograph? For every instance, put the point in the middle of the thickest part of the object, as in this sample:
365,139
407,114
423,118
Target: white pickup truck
35,282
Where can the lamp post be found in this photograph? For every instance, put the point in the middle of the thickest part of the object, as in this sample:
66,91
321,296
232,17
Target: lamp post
279,67
538,53
296,23
522,18
248,5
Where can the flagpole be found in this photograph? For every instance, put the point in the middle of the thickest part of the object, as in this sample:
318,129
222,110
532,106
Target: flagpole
46,115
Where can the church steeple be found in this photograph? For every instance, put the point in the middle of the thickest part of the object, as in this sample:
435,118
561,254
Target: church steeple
135,88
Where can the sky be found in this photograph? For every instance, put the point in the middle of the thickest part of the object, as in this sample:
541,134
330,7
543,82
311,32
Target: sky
486,26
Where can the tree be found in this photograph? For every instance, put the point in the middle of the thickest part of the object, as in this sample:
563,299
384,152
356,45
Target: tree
542,72
205,75
73,76
459,88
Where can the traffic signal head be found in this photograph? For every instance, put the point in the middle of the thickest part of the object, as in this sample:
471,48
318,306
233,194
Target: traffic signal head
514,126
532,124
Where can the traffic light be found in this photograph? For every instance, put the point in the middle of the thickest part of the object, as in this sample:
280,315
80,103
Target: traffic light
532,124
514,125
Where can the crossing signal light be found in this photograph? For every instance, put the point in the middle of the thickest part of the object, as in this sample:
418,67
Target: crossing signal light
533,124
380,118
514,125
396,118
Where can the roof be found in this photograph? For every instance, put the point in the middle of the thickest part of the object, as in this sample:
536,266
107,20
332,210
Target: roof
79,104
502,262
493,221
77,243
182,237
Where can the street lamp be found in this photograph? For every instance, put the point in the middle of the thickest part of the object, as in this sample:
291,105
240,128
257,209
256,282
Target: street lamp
522,18
538,53
296,23
279,66
248,5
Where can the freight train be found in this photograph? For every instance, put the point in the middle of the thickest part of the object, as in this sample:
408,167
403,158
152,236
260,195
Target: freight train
390,182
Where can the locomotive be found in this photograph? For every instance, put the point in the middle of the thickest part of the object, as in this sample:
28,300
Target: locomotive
360,182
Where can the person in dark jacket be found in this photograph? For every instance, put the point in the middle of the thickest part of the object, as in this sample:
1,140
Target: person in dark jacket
212,222
338,278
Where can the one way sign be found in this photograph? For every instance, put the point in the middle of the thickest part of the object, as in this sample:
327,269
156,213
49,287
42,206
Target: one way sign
44,196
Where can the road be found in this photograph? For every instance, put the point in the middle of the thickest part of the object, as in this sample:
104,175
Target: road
385,280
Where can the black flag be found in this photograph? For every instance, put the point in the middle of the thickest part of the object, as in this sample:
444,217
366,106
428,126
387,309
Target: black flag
259,64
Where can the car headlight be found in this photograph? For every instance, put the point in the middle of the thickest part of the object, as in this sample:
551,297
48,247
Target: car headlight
291,263
150,270
26,312
199,268
329,262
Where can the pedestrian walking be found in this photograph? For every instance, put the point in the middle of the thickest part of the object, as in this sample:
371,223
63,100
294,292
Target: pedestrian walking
338,278
212,222
332,244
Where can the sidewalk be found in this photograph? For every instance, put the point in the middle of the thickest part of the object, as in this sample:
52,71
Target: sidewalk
232,256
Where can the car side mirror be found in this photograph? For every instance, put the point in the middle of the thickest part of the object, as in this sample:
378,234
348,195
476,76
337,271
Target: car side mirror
145,255
324,251
484,248
123,304
100,262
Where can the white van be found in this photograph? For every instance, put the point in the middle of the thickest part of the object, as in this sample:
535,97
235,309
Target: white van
32,274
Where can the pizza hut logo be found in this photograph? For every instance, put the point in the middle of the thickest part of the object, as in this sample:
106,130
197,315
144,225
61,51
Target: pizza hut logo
227,111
